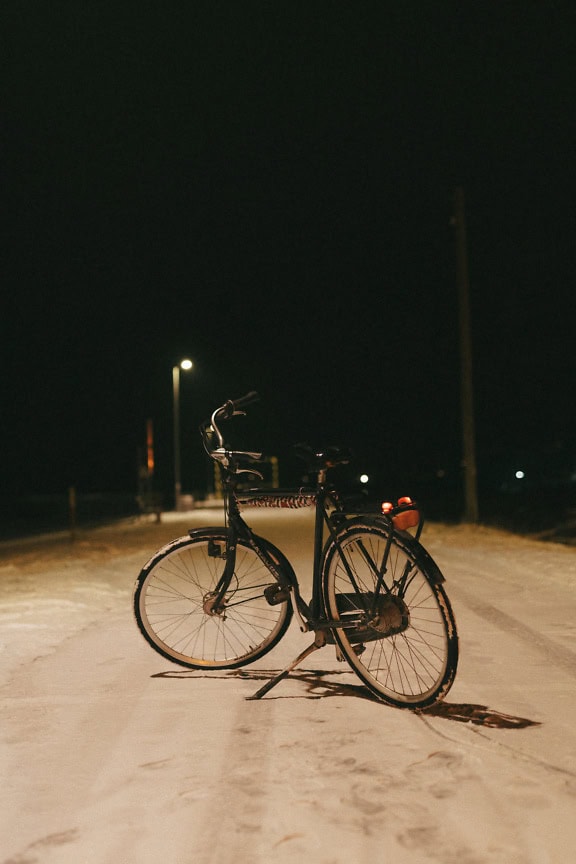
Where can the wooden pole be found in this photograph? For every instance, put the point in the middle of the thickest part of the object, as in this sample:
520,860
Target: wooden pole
466,383
72,511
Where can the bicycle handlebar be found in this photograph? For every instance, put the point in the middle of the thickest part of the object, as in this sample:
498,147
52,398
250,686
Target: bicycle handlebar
248,399
228,458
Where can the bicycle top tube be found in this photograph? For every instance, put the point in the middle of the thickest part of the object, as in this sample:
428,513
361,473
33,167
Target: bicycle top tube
292,500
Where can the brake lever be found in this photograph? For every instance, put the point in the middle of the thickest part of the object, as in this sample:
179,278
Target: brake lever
250,471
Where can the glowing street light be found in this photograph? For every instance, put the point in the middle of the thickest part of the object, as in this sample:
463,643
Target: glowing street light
186,365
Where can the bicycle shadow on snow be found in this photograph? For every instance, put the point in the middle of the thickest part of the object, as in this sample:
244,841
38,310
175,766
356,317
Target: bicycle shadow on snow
318,687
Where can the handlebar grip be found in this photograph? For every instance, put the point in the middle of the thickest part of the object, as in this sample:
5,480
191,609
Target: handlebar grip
248,399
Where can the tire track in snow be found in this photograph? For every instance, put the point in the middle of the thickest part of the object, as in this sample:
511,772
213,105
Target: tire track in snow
234,821
555,653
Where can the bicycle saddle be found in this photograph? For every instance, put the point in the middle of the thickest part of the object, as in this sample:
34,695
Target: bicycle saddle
318,460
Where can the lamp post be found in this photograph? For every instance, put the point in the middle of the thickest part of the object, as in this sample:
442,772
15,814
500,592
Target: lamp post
186,365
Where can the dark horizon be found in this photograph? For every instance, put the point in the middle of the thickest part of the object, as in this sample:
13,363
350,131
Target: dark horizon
269,190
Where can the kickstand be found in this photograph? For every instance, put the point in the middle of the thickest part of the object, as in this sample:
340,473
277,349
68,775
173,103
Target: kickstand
319,642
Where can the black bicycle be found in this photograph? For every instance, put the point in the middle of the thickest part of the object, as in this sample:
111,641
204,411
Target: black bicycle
222,597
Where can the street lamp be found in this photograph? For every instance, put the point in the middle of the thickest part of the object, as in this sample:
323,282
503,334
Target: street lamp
186,365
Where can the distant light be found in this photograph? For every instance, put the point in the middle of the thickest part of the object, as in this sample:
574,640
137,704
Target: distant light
186,364
364,478
520,475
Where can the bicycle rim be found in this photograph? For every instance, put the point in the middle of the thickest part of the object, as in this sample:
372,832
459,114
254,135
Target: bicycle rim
406,649
172,604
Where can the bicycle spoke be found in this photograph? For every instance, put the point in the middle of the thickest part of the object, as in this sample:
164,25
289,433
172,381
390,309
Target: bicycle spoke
405,650
175,611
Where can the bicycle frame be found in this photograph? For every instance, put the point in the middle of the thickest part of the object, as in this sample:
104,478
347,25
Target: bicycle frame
312,615
329,514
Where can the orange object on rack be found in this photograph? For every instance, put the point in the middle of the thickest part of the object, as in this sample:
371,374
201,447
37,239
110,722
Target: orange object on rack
405,515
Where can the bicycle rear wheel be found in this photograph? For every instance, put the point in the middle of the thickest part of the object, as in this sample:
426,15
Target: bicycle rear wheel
403,645
173,603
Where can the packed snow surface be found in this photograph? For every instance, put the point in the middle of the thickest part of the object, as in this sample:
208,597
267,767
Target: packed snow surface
110,754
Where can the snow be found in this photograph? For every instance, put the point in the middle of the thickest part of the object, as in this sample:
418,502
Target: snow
110,753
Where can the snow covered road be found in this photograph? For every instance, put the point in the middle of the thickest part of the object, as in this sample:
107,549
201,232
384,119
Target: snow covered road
112,755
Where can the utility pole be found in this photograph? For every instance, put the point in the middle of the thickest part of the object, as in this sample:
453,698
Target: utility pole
466,384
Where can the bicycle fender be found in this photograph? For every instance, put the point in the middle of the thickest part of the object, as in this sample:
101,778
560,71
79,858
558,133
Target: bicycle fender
280,559
207,531
278,556
428,563
164,549
423,557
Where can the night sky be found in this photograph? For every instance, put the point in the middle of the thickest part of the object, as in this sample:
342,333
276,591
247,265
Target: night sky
267,187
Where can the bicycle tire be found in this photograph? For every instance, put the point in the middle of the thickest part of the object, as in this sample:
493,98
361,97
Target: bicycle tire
407,653
172,603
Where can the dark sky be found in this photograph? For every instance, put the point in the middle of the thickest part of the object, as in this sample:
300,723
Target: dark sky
267,187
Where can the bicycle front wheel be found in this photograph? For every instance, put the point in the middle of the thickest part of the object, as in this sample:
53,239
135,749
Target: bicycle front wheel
400,640
173,603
